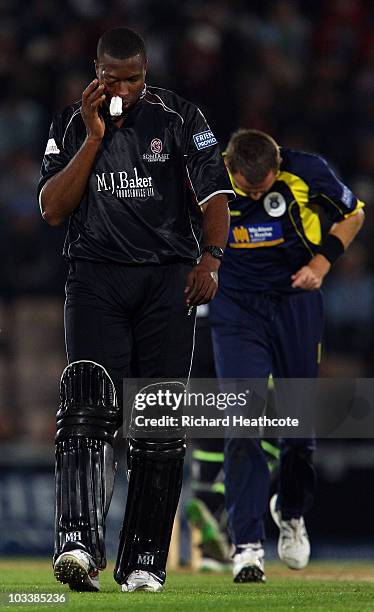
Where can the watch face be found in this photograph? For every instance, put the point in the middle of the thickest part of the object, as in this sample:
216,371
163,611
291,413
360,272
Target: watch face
214,251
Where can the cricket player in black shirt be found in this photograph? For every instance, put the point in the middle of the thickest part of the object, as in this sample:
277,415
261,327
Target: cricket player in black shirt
267,318
138,173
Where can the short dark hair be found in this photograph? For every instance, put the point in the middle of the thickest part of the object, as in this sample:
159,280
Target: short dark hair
253,154
121,43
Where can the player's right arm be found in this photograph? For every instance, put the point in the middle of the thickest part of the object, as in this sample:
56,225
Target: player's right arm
62,193
343,208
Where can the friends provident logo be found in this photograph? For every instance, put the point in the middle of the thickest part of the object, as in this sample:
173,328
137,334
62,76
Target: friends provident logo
203,140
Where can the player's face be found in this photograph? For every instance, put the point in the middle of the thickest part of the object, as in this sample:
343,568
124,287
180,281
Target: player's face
255,192
122,77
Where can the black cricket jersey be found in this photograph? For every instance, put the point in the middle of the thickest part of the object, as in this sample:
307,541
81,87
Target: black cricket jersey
141,203
270,239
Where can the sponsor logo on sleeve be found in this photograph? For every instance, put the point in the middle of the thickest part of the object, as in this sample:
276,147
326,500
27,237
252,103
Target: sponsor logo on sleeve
203,140
347,197
52,148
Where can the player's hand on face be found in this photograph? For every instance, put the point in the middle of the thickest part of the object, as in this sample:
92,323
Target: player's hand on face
202,282
310,277
92,99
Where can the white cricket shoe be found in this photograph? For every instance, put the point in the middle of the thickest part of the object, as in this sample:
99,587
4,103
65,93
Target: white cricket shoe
248,565
140,580
293,542
77,569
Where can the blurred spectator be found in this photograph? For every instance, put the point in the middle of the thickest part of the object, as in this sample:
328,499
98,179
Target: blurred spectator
20,125
349,300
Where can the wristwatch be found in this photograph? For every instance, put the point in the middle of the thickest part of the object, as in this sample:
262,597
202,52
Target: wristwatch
215,251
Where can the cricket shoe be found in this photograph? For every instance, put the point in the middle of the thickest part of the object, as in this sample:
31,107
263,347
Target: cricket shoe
248,564
293,542
77,569
140,580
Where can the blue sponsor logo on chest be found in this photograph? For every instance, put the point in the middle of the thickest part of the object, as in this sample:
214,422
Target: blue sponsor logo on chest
256,235
204,139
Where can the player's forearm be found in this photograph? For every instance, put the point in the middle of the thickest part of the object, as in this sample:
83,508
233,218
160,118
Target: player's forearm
63,192
216,223
348,229
345,231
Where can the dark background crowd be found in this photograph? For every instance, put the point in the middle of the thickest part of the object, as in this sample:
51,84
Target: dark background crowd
301,70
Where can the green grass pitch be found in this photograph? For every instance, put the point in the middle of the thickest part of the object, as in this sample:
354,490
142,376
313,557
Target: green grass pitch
322,586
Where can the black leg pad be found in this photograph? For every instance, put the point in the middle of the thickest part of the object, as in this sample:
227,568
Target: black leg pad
84,485
87,419
153,495
88,403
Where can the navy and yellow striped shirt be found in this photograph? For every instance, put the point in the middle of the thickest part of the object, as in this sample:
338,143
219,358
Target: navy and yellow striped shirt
273,237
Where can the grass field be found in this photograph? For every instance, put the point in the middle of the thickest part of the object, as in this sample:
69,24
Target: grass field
323,586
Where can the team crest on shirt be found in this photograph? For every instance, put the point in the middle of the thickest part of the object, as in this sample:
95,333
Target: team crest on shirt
156,154
275,204
156,145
